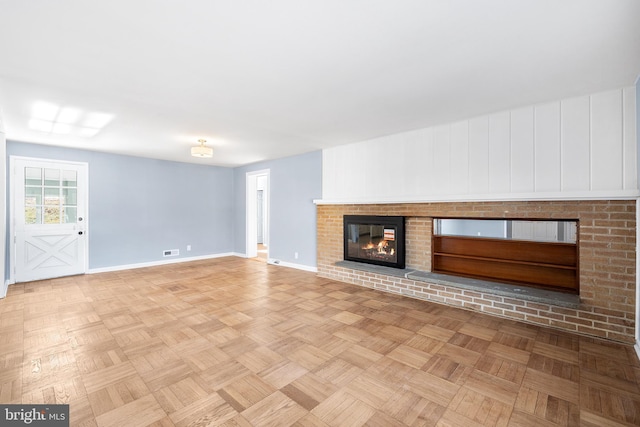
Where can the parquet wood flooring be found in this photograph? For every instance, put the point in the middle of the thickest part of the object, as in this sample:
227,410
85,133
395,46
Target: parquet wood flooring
235,342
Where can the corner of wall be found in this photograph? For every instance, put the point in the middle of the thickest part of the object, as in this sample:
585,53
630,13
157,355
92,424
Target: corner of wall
273,261
3,289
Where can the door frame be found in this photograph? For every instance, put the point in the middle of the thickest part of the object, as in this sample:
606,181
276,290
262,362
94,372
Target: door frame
13,207
251,211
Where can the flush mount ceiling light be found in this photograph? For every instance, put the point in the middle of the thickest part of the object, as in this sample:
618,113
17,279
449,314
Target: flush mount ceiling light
201,150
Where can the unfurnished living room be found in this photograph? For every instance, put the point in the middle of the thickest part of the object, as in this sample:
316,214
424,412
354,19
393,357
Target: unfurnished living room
320,213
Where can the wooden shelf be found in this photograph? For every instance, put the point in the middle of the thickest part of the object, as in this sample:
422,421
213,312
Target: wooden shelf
545,264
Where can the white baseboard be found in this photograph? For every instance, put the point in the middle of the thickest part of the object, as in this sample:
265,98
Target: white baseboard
156,263
3,287
292,265
197,258
238,254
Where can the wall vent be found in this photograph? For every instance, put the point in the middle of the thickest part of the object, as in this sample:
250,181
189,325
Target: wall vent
171,252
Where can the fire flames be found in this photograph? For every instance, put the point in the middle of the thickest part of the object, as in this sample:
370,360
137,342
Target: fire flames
381,248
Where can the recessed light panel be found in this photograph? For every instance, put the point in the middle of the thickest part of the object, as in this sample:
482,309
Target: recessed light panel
44,111
41,125
68,115
51,118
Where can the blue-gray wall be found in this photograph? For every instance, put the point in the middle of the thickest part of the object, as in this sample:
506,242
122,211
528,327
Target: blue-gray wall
139,207
471,227
294,182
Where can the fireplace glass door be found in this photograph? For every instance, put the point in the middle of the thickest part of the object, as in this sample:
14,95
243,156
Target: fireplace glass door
374,240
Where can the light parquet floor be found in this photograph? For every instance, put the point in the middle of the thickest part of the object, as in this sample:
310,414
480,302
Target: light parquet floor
237,342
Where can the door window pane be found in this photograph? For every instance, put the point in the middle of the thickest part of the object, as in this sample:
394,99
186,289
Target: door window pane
70,215
33,176
52,197
52,215
33,196
70,196
33,215
69,179
52,177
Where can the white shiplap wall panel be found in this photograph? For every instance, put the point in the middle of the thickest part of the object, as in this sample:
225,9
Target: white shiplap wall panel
459,157
522,151
353,170
424,157
379,168
568,148
629,138
331,161
606,138
415,167
547,147
479,155
430,183
442,152
499,153
372,169
574,124
394,153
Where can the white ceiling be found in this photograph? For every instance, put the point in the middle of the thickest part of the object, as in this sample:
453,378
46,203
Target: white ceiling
267,79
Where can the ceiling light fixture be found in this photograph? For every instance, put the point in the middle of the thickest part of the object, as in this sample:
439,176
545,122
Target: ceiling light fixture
54,119
201,150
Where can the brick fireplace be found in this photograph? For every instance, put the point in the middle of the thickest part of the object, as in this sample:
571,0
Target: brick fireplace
606,247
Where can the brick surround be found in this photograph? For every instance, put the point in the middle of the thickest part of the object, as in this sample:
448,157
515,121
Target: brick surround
607,260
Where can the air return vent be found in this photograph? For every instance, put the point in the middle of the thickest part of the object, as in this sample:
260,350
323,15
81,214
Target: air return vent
171,252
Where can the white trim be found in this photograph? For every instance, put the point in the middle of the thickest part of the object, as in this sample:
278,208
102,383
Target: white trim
4,206
277,262
586,195
157,263
40,159
239,255
637,348
196,258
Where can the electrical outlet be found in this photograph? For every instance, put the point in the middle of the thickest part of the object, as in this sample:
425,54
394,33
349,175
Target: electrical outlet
188,247
171,252
295,255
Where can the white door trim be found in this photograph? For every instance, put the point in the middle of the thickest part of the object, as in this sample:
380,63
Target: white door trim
12,208
3,210
251,249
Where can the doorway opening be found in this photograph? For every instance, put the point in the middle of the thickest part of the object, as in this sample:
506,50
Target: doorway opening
257,215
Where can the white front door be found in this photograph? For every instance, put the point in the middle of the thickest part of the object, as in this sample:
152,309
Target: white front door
49,218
